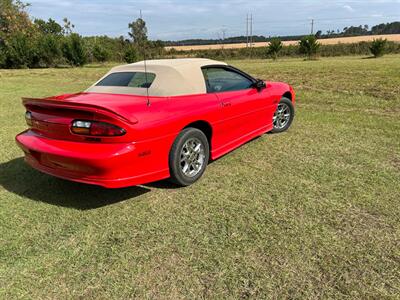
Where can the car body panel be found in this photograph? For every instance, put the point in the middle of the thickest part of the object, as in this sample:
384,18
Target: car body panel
152,125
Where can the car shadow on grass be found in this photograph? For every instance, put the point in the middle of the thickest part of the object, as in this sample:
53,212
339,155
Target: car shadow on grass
19,178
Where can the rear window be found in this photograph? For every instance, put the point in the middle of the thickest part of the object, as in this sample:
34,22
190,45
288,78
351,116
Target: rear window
128,79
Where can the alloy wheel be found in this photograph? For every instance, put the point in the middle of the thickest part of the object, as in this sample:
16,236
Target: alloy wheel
192,157
282,116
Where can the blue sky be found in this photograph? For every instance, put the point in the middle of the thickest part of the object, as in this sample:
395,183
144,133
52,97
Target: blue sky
173,19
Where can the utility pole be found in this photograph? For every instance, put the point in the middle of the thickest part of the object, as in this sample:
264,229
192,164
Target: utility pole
223,37
312,26
251,30
247,30
141,14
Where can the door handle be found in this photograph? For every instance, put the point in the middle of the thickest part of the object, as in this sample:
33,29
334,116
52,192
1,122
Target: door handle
225,104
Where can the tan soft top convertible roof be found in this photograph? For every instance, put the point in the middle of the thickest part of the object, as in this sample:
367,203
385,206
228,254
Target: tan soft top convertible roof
174,77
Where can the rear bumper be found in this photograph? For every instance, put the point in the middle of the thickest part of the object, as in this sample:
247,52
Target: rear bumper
108,165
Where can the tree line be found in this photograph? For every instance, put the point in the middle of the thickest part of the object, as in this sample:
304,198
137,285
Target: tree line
361,30
37,43
41,43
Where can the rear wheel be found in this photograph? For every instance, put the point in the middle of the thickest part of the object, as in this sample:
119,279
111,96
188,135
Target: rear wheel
188,157
283,116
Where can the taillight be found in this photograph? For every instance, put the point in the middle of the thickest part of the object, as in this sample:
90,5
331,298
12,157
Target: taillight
95,128
28,118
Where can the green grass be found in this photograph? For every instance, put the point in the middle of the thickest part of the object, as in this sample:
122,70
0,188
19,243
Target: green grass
310,213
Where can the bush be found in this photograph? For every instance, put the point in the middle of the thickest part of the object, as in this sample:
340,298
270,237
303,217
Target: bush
2,55
309,46
73,50
274,47
49,50
100,54
19,52
361,48
131,55
378,47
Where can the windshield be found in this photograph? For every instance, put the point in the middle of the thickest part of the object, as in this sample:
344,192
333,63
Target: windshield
128,79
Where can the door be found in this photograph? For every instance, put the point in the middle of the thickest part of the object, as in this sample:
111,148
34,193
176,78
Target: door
245,109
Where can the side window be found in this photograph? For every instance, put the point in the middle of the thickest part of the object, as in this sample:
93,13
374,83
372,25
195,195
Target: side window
128,79
224,80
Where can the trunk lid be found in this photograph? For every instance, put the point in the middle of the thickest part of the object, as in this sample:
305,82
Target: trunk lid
52,117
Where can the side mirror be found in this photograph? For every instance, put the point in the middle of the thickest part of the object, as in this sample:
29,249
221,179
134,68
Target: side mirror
259,84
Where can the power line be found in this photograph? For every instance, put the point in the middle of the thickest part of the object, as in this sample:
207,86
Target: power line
273,24
286,23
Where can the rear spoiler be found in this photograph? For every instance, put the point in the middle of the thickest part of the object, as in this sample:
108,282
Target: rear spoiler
54,102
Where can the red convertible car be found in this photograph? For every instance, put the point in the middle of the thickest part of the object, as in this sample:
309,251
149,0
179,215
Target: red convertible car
152,120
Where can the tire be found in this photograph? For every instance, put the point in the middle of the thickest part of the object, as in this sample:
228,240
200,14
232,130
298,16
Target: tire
283,118
187,163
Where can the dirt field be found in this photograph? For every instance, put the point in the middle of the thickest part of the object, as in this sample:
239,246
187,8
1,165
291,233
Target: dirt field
347,40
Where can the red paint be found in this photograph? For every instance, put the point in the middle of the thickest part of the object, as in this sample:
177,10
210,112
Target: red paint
140,155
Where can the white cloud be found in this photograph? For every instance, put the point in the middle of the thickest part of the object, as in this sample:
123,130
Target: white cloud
348,8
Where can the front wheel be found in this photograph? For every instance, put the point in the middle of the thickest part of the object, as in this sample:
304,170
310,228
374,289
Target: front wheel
283,116
188,157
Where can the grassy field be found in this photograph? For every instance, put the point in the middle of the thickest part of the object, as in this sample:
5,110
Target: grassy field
311,213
